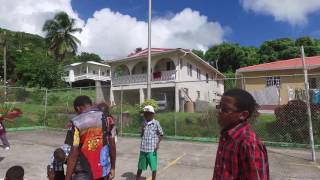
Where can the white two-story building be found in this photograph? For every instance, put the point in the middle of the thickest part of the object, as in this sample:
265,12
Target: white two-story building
179,77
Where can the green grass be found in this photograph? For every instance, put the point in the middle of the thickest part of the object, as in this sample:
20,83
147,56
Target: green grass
262,126
32,116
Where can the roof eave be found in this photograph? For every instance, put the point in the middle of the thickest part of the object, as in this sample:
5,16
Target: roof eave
276,69
139,57
204,62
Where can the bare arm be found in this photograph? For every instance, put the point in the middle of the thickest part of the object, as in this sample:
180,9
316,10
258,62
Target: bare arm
113,152
72,161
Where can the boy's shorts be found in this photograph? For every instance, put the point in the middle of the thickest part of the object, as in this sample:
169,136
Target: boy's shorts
148,159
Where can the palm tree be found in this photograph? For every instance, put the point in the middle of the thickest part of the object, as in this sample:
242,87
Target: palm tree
59,36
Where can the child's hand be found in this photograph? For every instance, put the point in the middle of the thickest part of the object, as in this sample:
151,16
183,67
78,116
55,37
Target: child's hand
50,174
112,174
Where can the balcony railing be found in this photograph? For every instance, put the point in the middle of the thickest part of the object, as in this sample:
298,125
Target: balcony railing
94,77
139,78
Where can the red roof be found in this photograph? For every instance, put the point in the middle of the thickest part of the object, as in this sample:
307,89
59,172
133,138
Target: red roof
145,51
296,63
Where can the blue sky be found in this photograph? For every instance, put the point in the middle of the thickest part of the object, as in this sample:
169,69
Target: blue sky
247,27
115,28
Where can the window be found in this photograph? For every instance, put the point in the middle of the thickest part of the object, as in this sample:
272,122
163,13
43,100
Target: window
170,65
190,70
313,83
93,72
84,70
207,77
108,72
273,81
181,63
186,90
198,94
198,73
102,73
144,69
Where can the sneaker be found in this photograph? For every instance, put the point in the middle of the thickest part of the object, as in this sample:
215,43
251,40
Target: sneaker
7,148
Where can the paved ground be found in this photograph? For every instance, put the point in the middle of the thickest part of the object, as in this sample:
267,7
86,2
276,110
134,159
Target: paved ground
177,160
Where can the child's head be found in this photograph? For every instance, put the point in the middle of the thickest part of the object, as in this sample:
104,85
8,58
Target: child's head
59,155
15,173
81,103
236,105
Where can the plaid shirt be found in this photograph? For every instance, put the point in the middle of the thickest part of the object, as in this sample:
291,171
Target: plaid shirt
241,155
150,137
56,166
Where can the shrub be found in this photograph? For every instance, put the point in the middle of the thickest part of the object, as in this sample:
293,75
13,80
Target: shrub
292,123
150,102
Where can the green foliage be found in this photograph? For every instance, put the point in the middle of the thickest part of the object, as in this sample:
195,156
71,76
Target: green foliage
199,53
147,102
231,56
84,56
37,70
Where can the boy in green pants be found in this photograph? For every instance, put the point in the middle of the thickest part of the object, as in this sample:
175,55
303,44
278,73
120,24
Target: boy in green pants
151,134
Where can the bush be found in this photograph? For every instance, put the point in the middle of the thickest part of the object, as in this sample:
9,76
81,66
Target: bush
150,102
292,123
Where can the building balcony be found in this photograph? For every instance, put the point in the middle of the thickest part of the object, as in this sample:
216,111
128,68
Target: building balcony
166,76
89,76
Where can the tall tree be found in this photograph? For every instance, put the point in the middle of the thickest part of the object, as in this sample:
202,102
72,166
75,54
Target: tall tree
84,56
278,49
199,53
311,46
59,35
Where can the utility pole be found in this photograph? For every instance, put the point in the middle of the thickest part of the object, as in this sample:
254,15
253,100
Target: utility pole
149,52
4,43
306,84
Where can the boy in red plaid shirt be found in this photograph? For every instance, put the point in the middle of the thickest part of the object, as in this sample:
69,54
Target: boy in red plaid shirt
240,155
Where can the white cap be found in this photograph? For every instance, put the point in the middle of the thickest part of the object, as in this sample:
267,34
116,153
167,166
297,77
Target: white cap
148,109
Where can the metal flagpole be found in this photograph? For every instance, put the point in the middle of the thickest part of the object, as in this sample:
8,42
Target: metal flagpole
306,84
149,52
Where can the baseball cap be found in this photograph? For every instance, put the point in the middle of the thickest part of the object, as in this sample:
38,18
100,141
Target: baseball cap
148,109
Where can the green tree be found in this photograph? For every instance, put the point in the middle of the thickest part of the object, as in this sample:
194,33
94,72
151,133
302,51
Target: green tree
37,70
311,47
84,56
278,49
231,56
199,53
59,35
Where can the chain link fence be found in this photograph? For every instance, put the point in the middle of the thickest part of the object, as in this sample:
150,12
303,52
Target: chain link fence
283,109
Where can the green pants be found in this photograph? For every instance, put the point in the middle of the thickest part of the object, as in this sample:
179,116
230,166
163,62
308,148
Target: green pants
148,159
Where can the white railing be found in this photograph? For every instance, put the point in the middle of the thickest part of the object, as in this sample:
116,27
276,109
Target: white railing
94,77
165,76
139,78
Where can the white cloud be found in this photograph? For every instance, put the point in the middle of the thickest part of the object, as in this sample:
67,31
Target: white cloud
112,34
30,15
295,12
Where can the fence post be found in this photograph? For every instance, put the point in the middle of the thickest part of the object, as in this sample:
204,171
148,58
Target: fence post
45,108
121,115
80,90
306,83
175,125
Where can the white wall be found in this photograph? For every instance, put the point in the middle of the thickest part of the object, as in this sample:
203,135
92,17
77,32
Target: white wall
208,91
